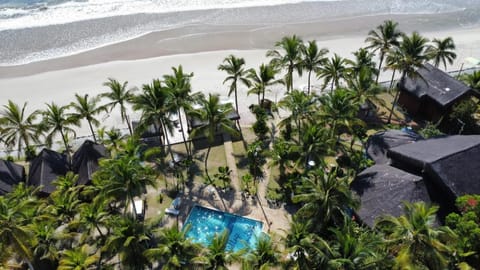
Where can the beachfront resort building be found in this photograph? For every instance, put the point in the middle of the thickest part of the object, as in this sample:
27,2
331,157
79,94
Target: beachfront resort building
432,94
437,170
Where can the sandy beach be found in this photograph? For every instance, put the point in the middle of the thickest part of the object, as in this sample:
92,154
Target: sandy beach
140,60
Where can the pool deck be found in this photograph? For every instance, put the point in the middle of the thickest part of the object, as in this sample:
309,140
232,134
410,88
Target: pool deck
275,220
207,196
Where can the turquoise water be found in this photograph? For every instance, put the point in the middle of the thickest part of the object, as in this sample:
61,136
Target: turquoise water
205,223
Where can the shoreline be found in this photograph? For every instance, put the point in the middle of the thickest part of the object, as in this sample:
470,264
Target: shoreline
58,80
207,38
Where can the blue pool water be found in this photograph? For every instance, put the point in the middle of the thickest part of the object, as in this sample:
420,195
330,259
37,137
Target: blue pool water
205,223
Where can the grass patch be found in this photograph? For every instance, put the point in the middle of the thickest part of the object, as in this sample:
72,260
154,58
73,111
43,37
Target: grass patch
215,160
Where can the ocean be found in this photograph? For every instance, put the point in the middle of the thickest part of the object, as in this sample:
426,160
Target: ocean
34,30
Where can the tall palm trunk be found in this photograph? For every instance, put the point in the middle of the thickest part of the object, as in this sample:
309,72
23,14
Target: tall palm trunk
127,119
236,97
91,129
67,150
98,230
263,93
395,99
308,83
379,67
206,162
289,78
19,148
331,89
134,208
165,134
391,80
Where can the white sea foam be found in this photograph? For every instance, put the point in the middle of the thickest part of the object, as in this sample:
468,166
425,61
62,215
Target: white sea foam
43,30
15,18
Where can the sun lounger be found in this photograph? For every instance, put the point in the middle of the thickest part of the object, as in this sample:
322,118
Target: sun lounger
176,203
172,211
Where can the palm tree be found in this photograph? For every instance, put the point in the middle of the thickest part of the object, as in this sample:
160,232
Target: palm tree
174,250
325,198
215,256
64,205
155,102
339,109
384,40
364,89
472,80
333,71
303,245
415,239
363,60
214,118
315,143
124,178
301,107
355,247
442,51
86,108
393,56
78,259
129,239
93,216
411,56
121,96
46,251
262,80
57,120
17,126
263,256
14,231
236,72
288,55
179,85
313,59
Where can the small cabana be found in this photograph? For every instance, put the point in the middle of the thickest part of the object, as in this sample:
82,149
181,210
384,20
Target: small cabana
383,189
46,167
11,174
85,160
432,94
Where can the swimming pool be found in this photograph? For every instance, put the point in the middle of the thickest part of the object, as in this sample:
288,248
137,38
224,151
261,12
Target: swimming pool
206,222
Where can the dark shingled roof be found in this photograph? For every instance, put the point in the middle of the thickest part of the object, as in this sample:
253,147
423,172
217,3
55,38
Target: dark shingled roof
85,160
439,86
11,174
416,155
45,168
451,163
459,172
383,189
378,144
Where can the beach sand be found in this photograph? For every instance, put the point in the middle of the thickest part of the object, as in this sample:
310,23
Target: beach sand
140,60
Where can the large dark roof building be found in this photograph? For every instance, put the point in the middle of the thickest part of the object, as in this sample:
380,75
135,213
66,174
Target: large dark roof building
432,94
451,163
11,174
46,167
383,189
85,160
433,170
